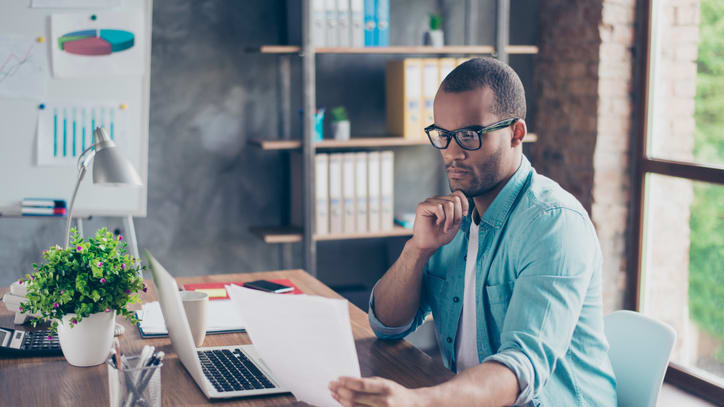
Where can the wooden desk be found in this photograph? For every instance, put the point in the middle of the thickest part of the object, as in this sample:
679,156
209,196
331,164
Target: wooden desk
52,381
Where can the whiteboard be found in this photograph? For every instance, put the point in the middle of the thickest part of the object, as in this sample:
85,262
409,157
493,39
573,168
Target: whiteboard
20,175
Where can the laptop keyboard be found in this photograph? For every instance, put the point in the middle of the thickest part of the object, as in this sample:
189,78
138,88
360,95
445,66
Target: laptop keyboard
231,370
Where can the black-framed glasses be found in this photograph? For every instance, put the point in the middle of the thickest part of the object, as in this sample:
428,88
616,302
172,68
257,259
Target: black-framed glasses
468,138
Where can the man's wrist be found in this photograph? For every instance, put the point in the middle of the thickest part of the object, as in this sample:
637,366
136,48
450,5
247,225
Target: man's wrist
415,251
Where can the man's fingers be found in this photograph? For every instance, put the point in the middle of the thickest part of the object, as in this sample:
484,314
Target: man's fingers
365,385
458,210
463,201
449,207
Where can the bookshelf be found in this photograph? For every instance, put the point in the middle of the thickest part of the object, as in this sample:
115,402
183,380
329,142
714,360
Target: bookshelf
306,54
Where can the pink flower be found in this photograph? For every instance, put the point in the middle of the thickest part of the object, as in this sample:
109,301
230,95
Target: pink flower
103,280
128,291
62,292
74,321
50,337
56,305
123,266
20,282
100,263
108,310
79,248
120,237
145,288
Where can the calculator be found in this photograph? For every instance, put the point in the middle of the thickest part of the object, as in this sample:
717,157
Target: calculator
19,343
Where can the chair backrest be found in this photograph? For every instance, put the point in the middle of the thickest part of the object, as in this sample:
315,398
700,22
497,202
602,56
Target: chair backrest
640,348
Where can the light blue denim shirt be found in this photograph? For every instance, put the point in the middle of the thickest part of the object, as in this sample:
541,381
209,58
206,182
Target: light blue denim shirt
538,286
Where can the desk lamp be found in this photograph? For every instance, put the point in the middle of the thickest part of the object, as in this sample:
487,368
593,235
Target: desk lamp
109,167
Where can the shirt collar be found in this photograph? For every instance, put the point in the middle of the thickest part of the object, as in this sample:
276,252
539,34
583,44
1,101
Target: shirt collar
500,208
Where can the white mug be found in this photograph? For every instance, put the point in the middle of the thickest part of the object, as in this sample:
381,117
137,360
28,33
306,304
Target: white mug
196,304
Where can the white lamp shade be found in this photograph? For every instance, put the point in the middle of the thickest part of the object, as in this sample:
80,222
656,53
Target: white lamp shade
109,165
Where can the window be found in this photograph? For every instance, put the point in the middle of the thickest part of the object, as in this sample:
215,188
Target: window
680,187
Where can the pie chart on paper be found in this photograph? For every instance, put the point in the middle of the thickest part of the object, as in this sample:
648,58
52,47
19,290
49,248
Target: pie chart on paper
96,42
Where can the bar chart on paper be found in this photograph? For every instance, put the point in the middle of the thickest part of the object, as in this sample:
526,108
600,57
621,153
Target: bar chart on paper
65,130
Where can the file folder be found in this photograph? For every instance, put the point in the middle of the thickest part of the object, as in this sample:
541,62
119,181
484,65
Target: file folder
343,23
404,98
387,182
383,23
321,180
446,66
430,82
373,191
360,172
335,193
370,23
349,204
330,12
357,23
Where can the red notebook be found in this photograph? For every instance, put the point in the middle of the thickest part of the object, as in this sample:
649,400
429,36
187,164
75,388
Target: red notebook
217,291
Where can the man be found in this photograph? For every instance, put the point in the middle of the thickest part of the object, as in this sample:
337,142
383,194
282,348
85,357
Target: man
508,264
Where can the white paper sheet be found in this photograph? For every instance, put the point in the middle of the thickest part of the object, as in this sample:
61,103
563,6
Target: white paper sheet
23,67
122,32
95,4
222,316
65,130
305,340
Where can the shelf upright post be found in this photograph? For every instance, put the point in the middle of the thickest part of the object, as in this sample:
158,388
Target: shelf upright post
471,21
502,29
309,103
284,97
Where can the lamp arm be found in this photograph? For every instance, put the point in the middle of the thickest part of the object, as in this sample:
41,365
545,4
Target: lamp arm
81,174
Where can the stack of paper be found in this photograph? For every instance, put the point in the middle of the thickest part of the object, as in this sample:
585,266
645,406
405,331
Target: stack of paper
223,317
305,340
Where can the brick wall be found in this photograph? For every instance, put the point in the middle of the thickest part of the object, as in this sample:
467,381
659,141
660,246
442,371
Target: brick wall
584,83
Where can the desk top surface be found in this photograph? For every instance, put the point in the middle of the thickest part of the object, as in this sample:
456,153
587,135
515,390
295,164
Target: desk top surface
52,381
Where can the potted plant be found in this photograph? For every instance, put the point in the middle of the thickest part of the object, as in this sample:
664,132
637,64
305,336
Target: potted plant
80,289
340,124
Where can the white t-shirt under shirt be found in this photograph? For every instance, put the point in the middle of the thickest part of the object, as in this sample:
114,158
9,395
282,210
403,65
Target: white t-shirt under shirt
466,340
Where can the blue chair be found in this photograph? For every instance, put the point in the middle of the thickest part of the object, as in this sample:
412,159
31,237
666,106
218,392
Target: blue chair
640,348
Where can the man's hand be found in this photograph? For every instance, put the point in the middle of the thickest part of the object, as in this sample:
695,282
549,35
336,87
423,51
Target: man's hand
373,391
437,220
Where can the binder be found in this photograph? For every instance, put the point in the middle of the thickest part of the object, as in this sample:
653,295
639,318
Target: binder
349,204
360,172
318,23
446,66
373,191
370,21
357,23
430,83
321,207
403,83
343,23
330,34
335,193
383,23
387,182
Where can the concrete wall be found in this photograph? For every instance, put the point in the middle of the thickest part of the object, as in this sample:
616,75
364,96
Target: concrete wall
208,98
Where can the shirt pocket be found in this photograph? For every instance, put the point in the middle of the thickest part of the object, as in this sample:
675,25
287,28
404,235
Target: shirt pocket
498,298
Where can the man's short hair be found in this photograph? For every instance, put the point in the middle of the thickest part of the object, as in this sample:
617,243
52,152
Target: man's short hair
498,76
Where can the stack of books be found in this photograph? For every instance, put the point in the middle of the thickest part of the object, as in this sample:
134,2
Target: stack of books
342,23
43,207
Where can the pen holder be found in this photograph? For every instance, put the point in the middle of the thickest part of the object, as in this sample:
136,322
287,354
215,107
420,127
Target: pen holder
134,386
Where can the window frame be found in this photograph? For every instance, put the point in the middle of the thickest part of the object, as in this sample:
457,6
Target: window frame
642,165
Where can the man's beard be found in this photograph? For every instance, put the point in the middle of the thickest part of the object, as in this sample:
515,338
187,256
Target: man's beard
479,185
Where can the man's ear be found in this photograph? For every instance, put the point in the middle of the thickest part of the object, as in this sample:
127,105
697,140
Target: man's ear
520,129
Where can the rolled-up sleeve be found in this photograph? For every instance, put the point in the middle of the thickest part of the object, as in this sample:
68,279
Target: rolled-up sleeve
394,332
556,266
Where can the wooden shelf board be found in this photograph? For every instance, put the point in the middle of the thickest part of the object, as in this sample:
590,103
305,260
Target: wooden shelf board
403,50
367,142
290,234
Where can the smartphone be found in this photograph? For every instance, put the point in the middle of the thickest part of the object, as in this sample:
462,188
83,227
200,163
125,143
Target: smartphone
265,285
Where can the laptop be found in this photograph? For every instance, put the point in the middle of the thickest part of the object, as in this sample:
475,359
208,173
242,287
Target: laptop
220,371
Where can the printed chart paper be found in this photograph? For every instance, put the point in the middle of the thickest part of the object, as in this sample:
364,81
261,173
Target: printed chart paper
65,130
112,44
23,68
305,340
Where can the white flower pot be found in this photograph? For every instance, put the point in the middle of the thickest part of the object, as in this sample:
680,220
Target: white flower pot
341,130
89,341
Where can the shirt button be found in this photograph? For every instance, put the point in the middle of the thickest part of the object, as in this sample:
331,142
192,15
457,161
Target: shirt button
456,299
449,339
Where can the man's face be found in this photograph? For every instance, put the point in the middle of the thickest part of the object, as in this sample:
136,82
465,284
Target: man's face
479,171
